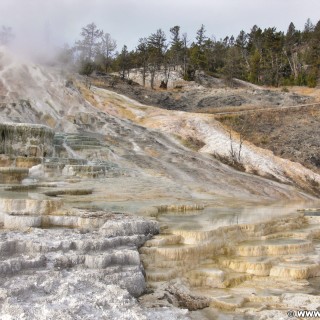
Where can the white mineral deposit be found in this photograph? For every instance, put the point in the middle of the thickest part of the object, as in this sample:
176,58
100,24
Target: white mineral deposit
108,212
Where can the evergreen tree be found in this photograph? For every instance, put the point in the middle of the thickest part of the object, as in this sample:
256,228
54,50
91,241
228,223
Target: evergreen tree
234,67
142,55
124,62
242,44
266,57
308,30
313,57
157,49
176,50
197,50
201,37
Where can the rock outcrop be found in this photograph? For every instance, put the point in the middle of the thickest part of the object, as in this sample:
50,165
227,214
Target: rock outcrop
234,268
73,273
29,140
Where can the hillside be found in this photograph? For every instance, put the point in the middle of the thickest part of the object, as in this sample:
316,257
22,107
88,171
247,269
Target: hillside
289,133
89,175
206,94
67,104
221,101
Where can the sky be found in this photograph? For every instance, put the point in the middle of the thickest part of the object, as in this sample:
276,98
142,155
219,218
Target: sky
39,24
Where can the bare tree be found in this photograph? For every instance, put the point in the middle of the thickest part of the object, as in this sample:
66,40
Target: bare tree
6,35
89,45
290,50
65,56
235,154
107,48
185,42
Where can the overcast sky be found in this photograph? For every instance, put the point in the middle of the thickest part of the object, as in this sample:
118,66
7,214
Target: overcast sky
60,21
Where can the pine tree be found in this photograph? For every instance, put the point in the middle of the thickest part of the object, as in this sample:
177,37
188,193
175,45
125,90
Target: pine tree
89,45
176,50
157,47
142,53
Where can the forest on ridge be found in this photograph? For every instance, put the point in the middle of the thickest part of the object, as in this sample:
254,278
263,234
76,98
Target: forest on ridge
261,56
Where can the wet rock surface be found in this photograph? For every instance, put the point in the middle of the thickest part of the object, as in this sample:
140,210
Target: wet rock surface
28,140
248,270
174,293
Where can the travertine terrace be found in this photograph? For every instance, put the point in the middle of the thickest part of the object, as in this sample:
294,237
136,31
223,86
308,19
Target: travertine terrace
113,216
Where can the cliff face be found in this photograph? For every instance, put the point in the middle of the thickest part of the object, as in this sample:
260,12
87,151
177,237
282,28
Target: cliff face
75,267
31,93
28,140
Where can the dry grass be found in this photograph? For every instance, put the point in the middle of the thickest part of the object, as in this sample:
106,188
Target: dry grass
72,192
291,133
224,109
232,162
191,142
86,93
115,102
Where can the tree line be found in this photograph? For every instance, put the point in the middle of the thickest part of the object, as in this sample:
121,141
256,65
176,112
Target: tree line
261,56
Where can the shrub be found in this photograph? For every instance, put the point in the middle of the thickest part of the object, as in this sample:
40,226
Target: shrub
312,78
86,67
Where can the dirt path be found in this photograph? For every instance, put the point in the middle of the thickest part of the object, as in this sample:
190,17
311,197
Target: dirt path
267,109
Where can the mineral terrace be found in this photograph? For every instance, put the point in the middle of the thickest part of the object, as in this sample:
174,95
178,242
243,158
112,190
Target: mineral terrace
108,212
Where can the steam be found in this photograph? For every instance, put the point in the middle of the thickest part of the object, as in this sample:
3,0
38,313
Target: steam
36,44
40,28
